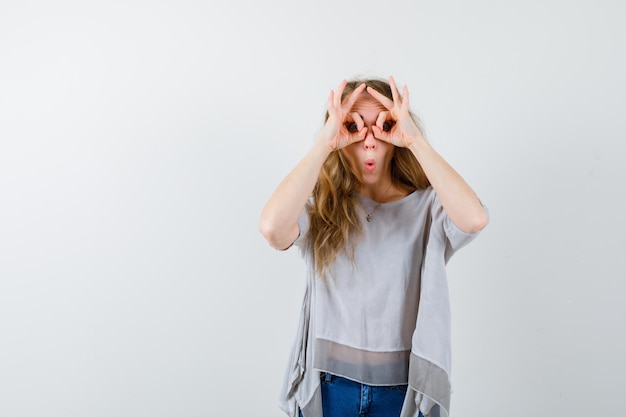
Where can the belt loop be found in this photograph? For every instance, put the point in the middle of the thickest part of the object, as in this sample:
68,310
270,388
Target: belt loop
327,376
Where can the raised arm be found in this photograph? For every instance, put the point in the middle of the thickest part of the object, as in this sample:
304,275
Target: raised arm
278,222
457,197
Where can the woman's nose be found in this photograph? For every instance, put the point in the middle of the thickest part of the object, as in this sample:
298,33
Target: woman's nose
370,140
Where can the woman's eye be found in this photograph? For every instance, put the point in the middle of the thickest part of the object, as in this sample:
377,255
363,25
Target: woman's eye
352,127
387,126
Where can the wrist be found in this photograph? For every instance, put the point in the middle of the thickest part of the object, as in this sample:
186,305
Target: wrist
322,146
419,144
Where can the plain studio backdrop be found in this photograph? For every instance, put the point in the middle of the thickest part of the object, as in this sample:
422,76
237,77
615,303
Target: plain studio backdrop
139,141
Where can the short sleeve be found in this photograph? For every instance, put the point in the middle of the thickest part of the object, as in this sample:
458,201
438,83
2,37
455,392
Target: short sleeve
455,238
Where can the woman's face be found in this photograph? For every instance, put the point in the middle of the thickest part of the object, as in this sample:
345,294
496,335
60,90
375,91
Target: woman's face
370,158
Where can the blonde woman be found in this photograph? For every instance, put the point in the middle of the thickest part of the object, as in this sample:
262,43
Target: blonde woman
376,213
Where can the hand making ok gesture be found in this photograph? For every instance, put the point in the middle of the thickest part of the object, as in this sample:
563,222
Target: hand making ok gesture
404,130
342,127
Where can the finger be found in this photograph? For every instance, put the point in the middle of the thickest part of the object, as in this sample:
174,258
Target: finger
362,133
339,93
380,134
394,91
377,131
385,101
405,99
383,116
331,100
358,120
353,97
354,137
361,125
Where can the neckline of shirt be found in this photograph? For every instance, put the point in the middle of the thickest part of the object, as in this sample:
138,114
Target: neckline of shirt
370,201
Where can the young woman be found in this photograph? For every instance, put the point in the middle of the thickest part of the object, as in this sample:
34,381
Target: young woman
376,213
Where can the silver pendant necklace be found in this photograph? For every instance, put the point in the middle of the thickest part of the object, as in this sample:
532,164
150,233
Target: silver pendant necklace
370,214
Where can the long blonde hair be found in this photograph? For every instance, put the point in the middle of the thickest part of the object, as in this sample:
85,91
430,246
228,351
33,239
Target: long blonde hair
334,217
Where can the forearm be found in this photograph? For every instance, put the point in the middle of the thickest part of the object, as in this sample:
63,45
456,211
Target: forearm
457,197
278,222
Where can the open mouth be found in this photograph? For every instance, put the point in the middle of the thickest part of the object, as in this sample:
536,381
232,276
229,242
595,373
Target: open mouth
370,165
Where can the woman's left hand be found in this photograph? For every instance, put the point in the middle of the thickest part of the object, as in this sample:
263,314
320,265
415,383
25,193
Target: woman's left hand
403,130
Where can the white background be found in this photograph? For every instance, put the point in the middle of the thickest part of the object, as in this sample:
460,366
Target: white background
139,141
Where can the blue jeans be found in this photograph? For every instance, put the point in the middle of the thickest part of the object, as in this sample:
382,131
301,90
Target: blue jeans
342,397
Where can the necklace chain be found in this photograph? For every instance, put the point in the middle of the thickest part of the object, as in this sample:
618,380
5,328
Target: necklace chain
369,214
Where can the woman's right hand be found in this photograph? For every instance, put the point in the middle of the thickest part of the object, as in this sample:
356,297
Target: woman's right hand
342,127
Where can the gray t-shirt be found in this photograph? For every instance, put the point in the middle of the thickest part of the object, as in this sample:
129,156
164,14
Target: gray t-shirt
366,311
360,320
